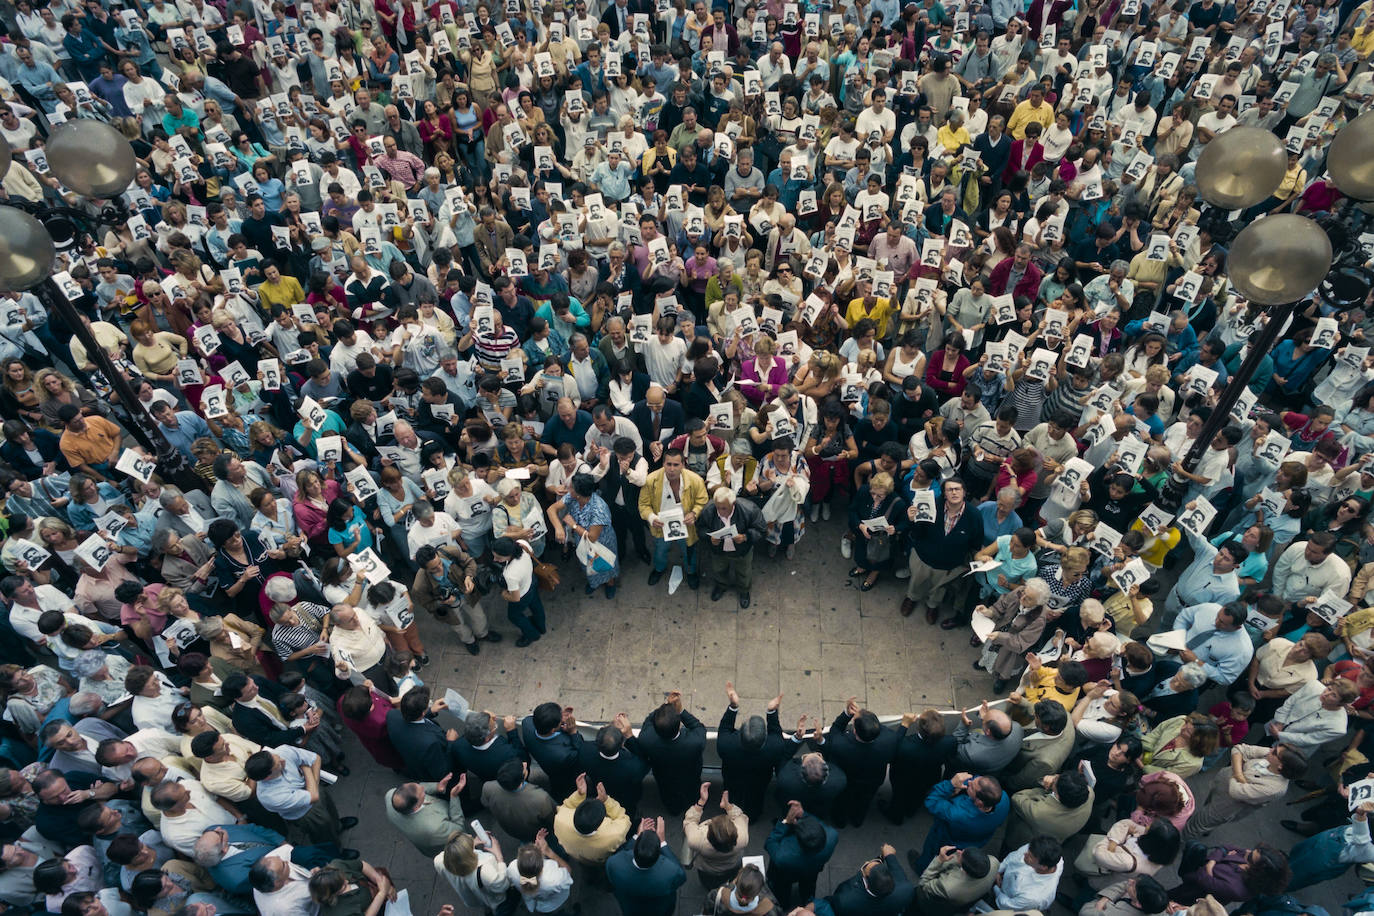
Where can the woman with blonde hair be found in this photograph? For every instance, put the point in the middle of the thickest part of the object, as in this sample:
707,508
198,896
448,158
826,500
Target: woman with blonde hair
476,872
820,376
19,391
56,390
469,502
156,353
60,538
1067,577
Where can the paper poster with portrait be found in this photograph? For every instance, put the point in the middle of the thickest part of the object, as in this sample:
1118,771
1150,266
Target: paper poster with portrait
136,465
370,565
783,424
753,83
932,252
213,402
1016,344
1155,518
721,415
1274,448
270,370
1330,607
34,555
1072,473
641,329
1130,453
234,374
516,263
1041,364
94,552
311,412
960,236
1326,335
1195,517
514,367
329,448
1133,573
1104,539
1080,352
111,523
996,353
1053,229
674,524
364,487
923,507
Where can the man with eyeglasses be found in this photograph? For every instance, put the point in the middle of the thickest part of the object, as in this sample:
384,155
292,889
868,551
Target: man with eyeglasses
880,888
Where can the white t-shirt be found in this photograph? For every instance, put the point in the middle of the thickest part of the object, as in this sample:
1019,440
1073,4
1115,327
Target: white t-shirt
437,535
519,572
664,361
870,120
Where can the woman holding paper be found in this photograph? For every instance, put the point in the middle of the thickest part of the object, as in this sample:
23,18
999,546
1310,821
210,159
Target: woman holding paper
1018,622
874,517
582,519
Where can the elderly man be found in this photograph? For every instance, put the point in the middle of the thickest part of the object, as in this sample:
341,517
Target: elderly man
187,811
607,427
358,645
281,879
990,748
428,813
229,853
1313,715
774,65
731,528
1111,290
810,780
288,785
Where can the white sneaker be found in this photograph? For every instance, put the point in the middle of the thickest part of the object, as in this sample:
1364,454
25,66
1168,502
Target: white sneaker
846,547
815,512
825,511
903,572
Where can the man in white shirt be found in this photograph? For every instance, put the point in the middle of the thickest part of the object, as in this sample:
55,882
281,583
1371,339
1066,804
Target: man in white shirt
280,887
1313,715
773,65
1209,126
607,427
29,602
1030,876
663,355
877,116
431,528
1308,568
187,812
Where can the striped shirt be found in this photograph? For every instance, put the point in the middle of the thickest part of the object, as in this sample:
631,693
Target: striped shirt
492,348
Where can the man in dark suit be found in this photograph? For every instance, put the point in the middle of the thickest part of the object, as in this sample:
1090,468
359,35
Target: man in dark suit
230,851
616,760
645,873
863,751
749,756
655,417
619,17
810,780
798,848
881,888
550,736
422,743
918,763
487,743
673,741
255,717
622,496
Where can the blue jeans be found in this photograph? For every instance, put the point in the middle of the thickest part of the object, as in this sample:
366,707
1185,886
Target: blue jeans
530,627
661,550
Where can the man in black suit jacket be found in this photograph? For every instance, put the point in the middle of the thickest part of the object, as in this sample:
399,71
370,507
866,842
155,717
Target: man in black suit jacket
622,496
422,743
673,741
619,16
810,780
550,737
750,756
798,848
881,888
249,718
487,743
655,417
863,751
645,873
617,762
918,763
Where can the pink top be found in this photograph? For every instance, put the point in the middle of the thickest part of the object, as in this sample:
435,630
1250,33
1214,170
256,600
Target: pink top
371,731
311,519
156,619
750,377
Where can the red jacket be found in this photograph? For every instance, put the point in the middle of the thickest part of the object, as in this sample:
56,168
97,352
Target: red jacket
1029,285
1037,154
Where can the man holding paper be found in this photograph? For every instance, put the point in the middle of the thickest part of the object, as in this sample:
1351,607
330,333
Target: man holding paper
1214,636
732,527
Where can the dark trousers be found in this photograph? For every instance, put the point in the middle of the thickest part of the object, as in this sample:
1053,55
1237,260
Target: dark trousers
793,888
531,627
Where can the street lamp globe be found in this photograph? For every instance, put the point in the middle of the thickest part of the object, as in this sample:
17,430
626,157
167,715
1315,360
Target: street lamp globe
1279,259
91,157
1241,167
26,250
6,156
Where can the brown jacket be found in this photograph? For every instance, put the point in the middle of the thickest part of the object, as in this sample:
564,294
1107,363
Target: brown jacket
428,594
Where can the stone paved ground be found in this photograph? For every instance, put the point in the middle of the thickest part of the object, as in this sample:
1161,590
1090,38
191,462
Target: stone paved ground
808,634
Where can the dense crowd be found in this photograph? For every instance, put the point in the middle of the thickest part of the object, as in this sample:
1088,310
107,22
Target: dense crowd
440,305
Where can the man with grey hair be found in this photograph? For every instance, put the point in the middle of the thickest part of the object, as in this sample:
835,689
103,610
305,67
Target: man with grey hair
731,528
487,742
186,513
1111,289
774,65
751,753
433,529
808,779
744,183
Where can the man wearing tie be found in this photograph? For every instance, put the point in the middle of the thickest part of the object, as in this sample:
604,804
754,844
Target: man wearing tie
1215,637
655,417
617,16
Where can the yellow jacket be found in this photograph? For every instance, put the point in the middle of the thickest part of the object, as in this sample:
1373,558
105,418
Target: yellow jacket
693,500
597,848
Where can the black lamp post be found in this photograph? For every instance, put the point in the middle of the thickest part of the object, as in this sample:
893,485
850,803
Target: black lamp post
94,160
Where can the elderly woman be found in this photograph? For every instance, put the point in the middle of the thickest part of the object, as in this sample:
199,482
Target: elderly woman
1181,744
1102,715
236,643
469,502
242,562
1177,695
875,514
517,516
1129,849
30,694
583,515
1019,618
476,871
101,673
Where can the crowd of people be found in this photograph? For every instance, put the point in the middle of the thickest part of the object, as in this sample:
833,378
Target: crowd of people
439,305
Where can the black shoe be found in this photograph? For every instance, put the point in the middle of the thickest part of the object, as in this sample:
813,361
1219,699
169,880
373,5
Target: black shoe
892,814
655,576
472,647
999,686
744,599
913,858
349,854
644,557
1305,828
717,593
492,636
347,823
522,642
693,581
340,770
423,659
